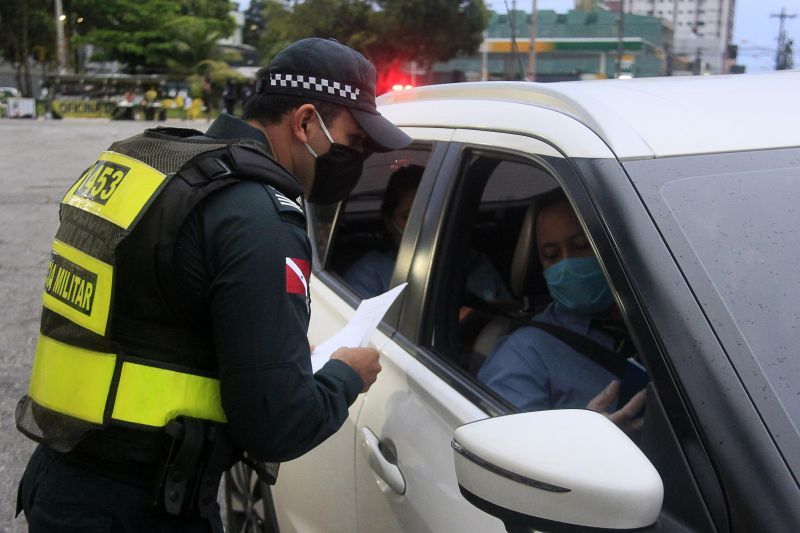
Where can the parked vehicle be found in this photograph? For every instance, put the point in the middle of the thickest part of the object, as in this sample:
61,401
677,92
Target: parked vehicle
689,192
5,94
8,92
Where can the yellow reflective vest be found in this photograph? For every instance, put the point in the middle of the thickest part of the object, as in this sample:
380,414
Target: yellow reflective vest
85,375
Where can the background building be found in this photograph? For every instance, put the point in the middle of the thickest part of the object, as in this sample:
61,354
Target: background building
572,46
703,29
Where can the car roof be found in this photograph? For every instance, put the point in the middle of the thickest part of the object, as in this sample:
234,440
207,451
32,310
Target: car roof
637,118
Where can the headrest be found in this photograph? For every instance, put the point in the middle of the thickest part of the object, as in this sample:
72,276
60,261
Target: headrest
526,270
525,264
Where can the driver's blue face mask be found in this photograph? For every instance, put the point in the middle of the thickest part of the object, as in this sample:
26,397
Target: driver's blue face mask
578,284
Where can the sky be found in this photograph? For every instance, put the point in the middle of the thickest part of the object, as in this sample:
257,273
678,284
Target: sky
753,29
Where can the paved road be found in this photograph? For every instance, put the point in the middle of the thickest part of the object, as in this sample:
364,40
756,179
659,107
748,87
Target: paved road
38,162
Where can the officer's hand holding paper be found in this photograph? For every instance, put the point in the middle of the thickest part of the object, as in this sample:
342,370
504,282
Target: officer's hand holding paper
356,332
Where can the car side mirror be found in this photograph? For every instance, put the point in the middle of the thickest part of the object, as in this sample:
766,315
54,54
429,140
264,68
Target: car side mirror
562,470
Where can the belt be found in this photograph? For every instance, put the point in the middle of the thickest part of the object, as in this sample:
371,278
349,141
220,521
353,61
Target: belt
123,454
139,474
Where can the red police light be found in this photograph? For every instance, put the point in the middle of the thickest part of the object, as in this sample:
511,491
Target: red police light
393,79
401,87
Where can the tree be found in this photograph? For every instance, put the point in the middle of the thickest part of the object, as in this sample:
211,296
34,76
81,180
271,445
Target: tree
148,36
195,41
26,26
129,31
412,30
286,21
210,9
278,28
254,23
347,21
389,32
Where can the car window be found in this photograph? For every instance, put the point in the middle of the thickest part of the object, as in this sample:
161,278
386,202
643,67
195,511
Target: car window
519,300
351,238
481,234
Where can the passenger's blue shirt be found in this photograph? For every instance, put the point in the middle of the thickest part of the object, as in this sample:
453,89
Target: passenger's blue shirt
535,371
370,276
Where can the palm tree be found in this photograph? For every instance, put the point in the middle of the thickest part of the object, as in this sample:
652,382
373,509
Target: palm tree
196,42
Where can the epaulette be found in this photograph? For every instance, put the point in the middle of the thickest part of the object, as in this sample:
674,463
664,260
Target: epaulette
288,209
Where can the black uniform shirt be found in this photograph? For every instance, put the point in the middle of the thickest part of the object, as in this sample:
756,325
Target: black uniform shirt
231,256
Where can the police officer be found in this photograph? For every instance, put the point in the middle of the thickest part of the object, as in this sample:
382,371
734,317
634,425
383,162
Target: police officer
176,304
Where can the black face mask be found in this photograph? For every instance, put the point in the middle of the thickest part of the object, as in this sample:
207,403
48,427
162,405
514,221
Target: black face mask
337,171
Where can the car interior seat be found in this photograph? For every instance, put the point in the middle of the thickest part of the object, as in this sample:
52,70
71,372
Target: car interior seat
527,286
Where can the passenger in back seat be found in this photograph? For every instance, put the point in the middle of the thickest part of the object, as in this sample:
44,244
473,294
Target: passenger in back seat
577,349
371,274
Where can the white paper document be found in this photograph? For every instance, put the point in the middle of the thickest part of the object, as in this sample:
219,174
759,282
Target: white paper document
356,332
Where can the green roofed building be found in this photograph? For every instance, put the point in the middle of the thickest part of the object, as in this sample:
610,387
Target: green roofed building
573,46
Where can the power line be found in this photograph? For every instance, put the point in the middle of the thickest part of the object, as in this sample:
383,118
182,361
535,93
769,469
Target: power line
755,48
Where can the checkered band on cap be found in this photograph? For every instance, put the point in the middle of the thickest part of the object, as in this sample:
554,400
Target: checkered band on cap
313,83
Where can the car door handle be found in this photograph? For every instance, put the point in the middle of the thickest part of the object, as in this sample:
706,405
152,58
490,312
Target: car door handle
386,469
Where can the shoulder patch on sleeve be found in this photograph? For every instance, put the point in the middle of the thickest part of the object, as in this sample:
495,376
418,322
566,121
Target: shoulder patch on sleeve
288,209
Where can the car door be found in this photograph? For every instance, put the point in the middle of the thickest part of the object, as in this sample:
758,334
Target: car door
633,257
316,493
404,468
610,212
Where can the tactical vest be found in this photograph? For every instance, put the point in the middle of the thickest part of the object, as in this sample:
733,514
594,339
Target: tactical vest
137,365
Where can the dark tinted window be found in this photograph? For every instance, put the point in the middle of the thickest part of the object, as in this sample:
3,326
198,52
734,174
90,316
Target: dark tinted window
512,181
733,222
472,270
344,232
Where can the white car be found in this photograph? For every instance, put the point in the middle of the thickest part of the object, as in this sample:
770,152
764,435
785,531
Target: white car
8,92
689,192
5,94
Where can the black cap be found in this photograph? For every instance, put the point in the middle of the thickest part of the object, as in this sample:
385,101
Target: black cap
325,70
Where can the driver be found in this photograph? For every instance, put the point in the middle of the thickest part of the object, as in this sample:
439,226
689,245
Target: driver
576,353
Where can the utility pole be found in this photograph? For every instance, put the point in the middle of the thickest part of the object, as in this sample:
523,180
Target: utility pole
532,52
485,56
61,45
620,42
698,62
782,58
514,49
512,57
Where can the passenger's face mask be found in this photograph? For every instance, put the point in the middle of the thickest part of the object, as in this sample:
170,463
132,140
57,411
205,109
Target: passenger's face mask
337,171
578,284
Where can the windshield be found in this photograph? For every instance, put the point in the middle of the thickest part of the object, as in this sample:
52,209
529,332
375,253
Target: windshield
733,223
